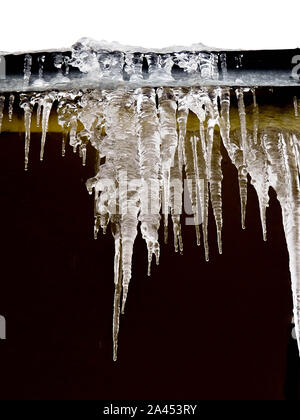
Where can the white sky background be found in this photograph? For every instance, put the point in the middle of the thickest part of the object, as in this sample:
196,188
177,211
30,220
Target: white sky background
51,24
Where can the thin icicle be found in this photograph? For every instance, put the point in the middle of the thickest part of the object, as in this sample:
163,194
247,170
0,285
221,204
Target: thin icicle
47,105
215,184
255,117
149,142
194,140
242,115
64,142
116,231
39,111
26,104
203,187
2,102
11,107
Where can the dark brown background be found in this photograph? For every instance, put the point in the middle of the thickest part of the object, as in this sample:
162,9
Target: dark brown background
194,330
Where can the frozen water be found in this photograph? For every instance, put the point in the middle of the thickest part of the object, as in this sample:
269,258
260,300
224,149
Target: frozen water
137,120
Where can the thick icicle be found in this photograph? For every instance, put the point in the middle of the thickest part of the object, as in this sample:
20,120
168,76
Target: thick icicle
169,138
149,142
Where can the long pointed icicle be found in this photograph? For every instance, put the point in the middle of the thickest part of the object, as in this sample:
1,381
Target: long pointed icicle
27,106
149,143
215,184
169,138
118,285
2,102
47,105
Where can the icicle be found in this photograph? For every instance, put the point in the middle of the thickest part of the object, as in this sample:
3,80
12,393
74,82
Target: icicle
26,104
182,115
2,102
242,114
27,69
296,106
203,187
224,121
118,285
242,170
39,111
176,202
149,142
64,142
197,180
11,107
284,178
47,105
215,184
121,119
169,139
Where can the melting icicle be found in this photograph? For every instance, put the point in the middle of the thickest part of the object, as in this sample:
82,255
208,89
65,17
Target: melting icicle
11,107
2,102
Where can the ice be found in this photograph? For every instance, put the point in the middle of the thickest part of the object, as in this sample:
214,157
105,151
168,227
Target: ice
27,69
11,107
27,104
2,102
157,119
47,105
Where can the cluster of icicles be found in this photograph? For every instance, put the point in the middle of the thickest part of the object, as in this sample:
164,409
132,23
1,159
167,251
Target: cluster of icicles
143,134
